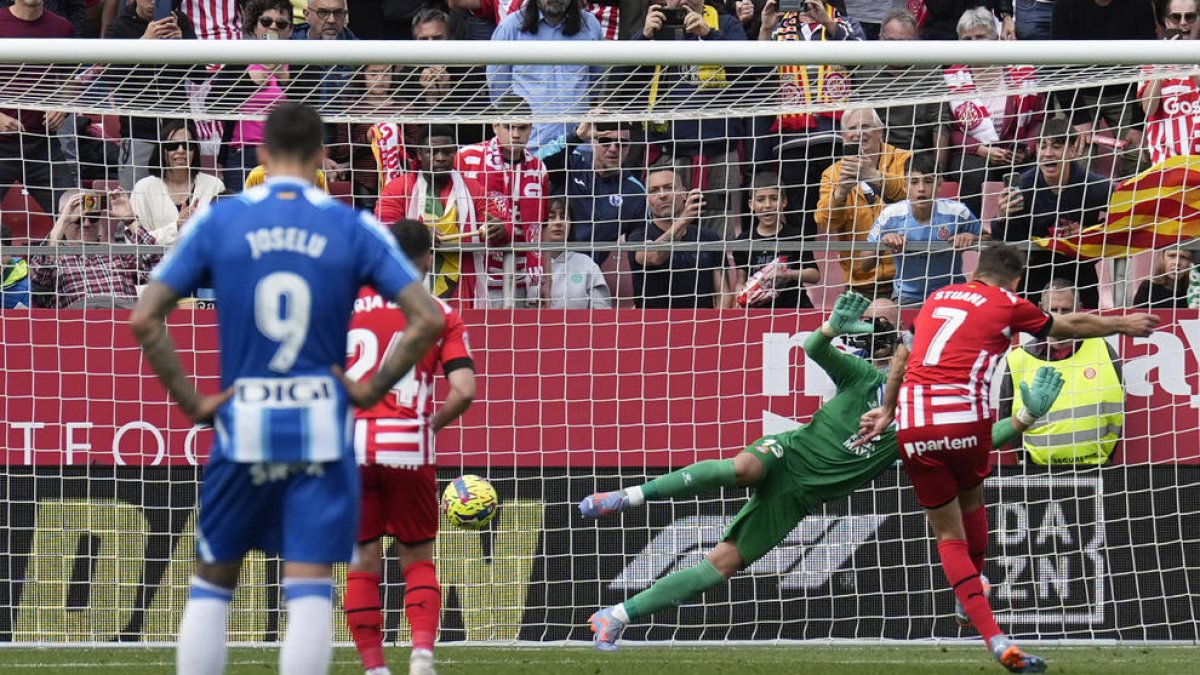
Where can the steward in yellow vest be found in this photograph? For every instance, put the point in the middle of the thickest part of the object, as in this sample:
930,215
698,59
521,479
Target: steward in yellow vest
1084,424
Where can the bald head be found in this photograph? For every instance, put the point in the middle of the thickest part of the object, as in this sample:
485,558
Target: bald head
883,308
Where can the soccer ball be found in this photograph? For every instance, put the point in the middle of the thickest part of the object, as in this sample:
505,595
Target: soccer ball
470,502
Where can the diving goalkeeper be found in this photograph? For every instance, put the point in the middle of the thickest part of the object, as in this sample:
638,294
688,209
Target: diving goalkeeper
794,472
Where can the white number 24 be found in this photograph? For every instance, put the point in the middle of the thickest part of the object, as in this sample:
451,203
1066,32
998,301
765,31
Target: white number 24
365,344
952,320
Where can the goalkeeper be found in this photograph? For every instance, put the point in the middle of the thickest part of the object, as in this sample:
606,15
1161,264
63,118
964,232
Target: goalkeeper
793,472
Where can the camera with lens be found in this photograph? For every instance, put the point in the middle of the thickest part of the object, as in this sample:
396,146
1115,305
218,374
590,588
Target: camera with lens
672,28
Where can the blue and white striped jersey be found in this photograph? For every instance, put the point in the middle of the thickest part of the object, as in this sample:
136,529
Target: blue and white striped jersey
286,262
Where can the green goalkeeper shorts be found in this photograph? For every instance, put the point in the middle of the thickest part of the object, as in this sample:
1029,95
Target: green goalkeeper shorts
778,504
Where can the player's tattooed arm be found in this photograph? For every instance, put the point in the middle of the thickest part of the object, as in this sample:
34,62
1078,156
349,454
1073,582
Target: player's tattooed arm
424,324
149,325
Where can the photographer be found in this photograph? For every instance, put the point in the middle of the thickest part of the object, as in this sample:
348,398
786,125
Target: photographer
702,148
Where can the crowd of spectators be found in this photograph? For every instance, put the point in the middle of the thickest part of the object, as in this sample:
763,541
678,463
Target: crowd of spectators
884,180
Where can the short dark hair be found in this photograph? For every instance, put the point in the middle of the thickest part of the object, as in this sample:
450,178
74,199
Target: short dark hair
427,132
253,10
511,105
294,131
1000,263
414,237
1057,129
169,127
922,162
764,180
431,15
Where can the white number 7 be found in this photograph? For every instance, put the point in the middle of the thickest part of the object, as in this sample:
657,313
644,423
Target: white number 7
951,320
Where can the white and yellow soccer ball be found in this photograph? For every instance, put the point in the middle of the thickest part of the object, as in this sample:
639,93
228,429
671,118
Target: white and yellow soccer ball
470,502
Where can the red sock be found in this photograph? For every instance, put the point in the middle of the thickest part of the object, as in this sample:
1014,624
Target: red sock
964,579
364,616
422,603
976,524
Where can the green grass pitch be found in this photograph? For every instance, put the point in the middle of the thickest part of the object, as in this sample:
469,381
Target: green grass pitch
766,660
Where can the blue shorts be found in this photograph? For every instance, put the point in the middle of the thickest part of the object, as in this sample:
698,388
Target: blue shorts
304,512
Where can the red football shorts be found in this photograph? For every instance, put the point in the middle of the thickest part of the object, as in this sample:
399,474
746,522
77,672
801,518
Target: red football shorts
942,460
399,502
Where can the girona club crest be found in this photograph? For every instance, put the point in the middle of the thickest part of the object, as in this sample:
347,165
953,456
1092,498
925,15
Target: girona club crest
971,114
837,86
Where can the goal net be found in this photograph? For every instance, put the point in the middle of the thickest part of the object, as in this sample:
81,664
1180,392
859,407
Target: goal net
622,327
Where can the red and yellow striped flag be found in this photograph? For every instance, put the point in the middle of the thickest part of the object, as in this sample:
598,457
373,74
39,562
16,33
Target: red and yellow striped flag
1157,208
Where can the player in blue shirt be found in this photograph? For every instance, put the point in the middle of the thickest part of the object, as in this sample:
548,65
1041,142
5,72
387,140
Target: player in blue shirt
286,262
924,218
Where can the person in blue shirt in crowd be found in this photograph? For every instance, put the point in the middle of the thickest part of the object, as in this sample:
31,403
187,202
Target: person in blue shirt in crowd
604,198
287,261
906,227
559,89
14,275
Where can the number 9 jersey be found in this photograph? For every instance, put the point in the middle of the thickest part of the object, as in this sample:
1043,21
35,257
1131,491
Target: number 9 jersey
286,262
958,338
396,431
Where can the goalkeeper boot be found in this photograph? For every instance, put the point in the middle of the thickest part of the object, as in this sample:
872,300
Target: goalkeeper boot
421,663
607,628
960,612
603,504
1013,659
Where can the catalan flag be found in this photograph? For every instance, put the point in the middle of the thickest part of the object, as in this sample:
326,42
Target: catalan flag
1157,208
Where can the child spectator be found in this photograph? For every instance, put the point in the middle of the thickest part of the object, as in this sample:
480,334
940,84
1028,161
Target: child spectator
924,218
571,280
783,283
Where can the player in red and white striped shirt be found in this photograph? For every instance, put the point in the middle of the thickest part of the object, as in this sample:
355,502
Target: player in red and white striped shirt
394,444
515,183
944,425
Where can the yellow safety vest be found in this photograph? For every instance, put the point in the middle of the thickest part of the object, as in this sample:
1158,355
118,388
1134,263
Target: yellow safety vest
1083,425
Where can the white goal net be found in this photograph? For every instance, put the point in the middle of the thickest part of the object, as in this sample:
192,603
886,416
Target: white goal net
672,233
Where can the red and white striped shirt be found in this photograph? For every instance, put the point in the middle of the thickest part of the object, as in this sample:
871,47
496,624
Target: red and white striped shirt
1173,129
396,431
607,15
516,190
214,19
958,338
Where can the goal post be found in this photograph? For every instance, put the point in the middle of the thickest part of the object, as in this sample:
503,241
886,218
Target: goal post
595,372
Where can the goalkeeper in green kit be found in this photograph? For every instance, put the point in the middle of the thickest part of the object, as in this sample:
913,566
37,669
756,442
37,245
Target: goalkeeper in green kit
794,472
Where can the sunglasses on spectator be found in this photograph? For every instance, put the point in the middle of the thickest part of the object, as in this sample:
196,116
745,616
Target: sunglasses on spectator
610,140
172,146
1184,17
326,14
267,22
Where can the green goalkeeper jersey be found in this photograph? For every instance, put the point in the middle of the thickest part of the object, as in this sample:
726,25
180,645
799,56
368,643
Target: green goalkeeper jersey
823,462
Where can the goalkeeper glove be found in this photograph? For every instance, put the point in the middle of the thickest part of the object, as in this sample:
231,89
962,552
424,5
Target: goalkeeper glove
846,316
1047,383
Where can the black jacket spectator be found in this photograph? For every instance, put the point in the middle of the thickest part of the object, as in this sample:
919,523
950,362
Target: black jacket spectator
130,26
942,21
1080,203
1156,296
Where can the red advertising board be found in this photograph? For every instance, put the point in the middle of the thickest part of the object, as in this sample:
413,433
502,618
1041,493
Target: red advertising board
577,389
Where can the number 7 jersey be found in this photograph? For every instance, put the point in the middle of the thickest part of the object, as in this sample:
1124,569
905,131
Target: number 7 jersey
395,432
958,338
